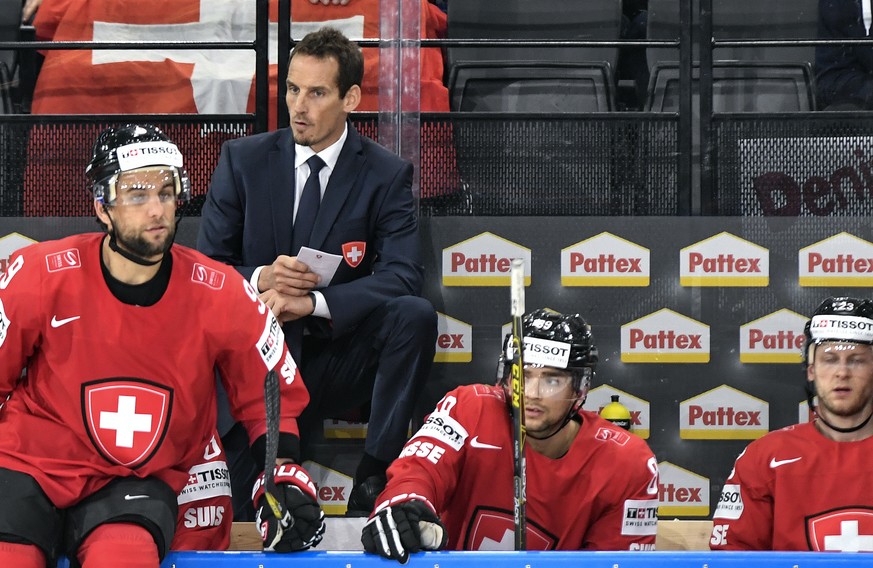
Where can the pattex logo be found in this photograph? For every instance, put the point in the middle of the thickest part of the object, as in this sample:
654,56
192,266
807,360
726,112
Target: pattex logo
605,260
454,340
665,337
774,338
681,492
840,260
483,260
723,413
724,260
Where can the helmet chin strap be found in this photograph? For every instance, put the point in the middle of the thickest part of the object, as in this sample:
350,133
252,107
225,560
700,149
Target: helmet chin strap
113,244
810,394
573,410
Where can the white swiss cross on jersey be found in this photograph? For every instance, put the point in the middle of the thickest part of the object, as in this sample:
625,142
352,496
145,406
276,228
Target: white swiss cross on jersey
843,530
126,418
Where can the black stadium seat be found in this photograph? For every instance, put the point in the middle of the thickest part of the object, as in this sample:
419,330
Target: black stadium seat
735,20
739,87
532,87
534,20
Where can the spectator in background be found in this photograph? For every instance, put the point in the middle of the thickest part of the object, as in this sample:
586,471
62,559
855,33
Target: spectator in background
844,73
363,336
452,486
807,486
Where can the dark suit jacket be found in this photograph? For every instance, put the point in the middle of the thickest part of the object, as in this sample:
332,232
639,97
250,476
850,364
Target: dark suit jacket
843,73
247,218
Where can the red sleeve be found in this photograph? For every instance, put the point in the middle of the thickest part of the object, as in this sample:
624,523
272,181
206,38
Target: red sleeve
743,519
431,461
205,515
630,521
255,344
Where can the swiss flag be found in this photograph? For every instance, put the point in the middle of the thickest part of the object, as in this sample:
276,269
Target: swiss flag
196,81
191,81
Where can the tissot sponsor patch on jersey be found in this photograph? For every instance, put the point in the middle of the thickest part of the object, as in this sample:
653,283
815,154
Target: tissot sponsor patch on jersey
844,530
640,517
4,324
205,481
445,429
270,343
730,503
840,260
63,260
126,418
143,154
207,276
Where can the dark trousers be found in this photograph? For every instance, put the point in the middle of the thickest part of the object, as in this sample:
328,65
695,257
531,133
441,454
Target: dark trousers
383,364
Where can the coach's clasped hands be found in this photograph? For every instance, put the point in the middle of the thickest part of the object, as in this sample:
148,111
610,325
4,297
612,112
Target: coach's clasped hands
303,525
403,525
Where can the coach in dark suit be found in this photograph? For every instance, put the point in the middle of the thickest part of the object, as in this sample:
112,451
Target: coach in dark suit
365,338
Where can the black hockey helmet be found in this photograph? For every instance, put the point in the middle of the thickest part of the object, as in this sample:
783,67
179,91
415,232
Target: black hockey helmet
131,147
553,339
840,319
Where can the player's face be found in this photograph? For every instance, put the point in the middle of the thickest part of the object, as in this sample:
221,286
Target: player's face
548,396
843,374
318,113
143,214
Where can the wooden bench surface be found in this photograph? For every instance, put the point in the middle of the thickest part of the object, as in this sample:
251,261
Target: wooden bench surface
345,534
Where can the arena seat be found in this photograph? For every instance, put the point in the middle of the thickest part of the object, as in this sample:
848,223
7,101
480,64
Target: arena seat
739,86
532,87
732,20
525,20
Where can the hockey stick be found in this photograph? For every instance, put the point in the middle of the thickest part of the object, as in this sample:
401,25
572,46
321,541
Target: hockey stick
517,377
271,492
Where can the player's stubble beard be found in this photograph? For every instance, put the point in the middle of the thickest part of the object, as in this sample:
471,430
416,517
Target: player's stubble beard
135,243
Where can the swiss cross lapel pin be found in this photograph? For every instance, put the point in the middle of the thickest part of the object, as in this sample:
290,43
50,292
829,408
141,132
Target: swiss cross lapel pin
353,252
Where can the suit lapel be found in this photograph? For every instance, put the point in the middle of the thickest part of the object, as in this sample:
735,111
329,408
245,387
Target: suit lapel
280,168
341,184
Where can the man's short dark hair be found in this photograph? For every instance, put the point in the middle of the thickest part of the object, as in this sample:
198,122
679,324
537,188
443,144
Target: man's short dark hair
330,42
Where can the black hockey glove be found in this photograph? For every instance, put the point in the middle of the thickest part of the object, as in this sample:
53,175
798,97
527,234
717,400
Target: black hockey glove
303,524
403,525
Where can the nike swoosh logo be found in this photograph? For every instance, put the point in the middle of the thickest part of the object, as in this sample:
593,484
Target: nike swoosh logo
477,444
132,497
58,323
774,463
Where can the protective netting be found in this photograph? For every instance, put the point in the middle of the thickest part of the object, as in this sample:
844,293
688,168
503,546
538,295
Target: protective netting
793,165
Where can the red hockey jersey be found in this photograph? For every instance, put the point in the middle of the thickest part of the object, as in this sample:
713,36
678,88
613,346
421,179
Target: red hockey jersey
115,390
794,489
601,495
